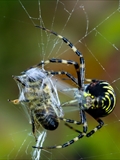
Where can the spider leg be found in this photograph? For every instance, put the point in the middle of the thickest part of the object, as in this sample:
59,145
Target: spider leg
81,134
69,126
80,71
68,103
83,121
63,145
63,72
70,121
91,80
53,60
82,115
101,123
68,143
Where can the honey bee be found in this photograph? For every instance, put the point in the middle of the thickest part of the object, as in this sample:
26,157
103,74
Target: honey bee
39,96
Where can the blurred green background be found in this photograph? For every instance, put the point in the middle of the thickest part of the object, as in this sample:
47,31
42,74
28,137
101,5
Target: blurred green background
22,45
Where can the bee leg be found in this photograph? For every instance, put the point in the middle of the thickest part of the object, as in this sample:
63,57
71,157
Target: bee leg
33,128
15,101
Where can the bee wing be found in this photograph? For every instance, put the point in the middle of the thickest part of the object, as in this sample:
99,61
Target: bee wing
66,89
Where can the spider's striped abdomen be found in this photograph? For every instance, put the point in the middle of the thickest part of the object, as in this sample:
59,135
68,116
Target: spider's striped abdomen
104,98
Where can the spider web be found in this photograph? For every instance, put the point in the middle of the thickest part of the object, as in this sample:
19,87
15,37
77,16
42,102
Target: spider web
93,27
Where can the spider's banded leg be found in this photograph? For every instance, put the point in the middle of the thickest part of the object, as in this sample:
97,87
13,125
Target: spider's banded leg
53,60
91,80
66,124
70,121
101,123
83,120
80,71
63,72
82,115
68,103
63,145
81,134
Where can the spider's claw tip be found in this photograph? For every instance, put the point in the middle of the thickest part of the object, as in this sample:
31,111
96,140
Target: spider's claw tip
37,147
38,26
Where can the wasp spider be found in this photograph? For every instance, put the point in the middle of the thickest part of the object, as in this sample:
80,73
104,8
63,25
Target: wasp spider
97,97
